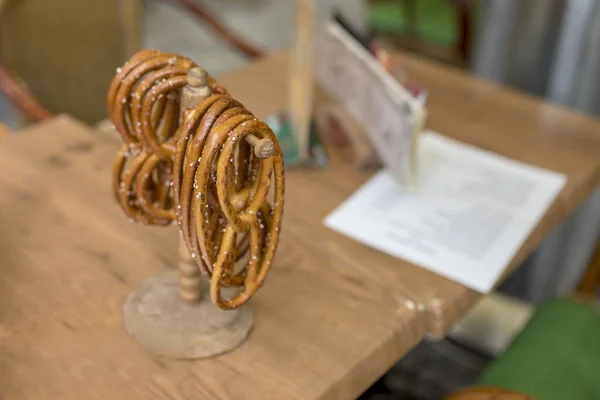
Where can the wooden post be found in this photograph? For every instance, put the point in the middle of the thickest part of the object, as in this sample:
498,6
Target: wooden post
190,277
301,76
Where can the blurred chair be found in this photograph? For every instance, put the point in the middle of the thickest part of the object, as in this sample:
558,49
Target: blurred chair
59,56
64,53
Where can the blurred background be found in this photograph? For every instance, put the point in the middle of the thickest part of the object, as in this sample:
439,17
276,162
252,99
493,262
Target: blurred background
58,56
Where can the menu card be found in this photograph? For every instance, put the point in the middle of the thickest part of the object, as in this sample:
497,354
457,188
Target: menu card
388,112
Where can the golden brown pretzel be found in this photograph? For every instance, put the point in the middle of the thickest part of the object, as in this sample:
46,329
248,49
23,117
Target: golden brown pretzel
221,196
200,170
141,186
143,104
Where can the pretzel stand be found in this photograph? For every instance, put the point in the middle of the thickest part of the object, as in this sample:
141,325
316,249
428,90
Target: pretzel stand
194,156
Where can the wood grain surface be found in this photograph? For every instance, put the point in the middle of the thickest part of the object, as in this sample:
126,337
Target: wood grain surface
69,259
333,315
476,112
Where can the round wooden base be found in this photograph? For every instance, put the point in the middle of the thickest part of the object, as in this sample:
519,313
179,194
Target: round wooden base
160,321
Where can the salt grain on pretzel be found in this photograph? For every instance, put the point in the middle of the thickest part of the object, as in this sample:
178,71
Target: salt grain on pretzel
210,170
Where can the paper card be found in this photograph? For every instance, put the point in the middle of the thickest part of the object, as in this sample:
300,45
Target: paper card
388,112
467,218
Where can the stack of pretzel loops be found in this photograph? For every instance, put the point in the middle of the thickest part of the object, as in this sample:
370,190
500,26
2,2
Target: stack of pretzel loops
143,105
204,171
221,189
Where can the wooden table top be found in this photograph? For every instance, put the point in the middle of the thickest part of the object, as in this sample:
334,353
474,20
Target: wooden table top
333,315
70,258
476,112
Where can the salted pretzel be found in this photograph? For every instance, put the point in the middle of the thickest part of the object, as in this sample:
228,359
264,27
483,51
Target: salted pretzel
221,189
143,105
210,171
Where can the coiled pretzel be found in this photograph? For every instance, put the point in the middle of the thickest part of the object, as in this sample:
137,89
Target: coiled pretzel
143,104
220,190
210,170
142,185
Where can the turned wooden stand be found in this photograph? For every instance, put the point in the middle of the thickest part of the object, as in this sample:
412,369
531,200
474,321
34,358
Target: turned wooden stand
171,314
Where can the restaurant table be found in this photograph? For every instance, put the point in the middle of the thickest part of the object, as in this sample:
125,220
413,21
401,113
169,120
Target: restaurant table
476,112
333,315
70,258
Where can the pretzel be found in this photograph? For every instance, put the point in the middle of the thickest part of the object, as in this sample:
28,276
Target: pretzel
143,105
210,170
221,189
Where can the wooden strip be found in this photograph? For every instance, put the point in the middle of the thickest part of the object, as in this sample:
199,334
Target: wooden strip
69,259
4,130
301,76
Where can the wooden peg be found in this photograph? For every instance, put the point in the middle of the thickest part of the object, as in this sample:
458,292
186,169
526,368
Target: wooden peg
263,148
190,279
199,89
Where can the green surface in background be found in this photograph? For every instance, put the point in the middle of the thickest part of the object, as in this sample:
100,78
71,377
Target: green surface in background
282,128
435,19
556,357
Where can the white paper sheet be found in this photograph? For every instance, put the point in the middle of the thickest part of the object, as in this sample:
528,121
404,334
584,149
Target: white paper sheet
469,214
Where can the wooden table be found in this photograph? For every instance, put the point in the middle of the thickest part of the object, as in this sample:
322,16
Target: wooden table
333,315
477,112
69,259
